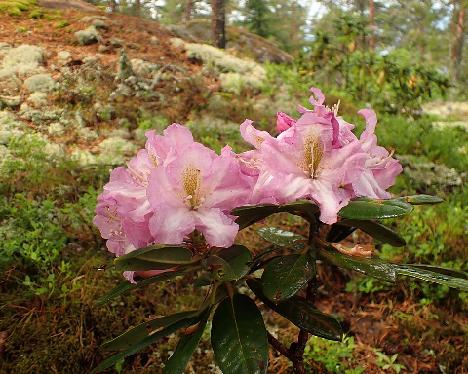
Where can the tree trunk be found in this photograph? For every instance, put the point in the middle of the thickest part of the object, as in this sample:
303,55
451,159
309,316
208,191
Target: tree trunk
218,23
113,6
372,24
188,10
138,8
458,36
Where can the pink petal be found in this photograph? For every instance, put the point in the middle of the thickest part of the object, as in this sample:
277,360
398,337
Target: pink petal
171,225
317,98
219,229
284,122
251,135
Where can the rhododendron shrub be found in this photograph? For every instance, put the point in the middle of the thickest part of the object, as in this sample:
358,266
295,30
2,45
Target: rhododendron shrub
177,207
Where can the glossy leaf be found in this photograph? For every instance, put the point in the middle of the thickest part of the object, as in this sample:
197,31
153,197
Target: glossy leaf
143,330
445,271
147,341
303,208
285,275
432,275
232,263
126,286
136,264
185,348
302,313
421,199
239,338
280,237
377,231
373,267
339,232
367,209
164,254
249,215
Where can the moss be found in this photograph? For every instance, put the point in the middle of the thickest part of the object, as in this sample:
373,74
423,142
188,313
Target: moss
61,24
36,14
16,7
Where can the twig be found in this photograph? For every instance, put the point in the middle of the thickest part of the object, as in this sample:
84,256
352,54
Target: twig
276,344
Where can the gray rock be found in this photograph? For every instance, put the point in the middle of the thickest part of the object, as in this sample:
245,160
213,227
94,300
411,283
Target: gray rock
10,101
4,48
40,83
99,24
23,60
10,84
104,48
87,36
91,60
87,134
56,129
24,54
144,68
116,42
64,57
37,99
118,133
428,177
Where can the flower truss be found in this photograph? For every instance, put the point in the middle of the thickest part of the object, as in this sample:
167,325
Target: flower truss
177,206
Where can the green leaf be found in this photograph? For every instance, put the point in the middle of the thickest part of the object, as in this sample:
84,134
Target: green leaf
248,215
165,254
232,263
304,208
239,338
339,232
445,271
150,339
280,237
126,286
421,199
143,330
367,209
373,267
376,230
285,275
136,264
185,348
302,313
436,275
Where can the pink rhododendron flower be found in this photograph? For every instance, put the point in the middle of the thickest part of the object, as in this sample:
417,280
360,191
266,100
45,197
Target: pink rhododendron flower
196,191
381,169
175,185
284,122
123,210
302,163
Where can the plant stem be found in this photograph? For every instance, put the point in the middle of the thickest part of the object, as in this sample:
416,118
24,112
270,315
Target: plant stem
276,344
296,350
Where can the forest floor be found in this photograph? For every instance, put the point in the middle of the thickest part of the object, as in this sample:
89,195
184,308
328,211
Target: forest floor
58,143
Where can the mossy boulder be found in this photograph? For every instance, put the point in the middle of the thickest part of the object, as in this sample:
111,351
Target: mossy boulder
40,83
239,41
87,36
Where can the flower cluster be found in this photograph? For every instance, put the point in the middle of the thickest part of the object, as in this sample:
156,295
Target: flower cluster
175,186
